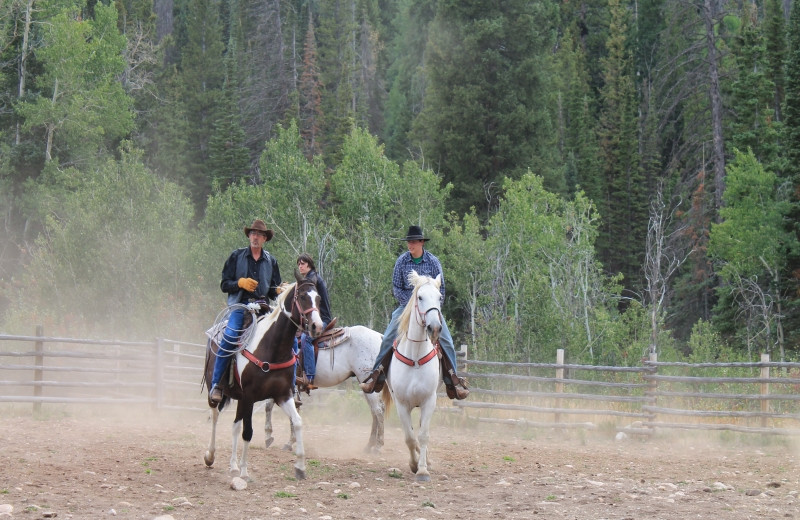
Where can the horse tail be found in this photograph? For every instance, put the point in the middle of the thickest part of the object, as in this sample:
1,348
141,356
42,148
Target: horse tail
386,397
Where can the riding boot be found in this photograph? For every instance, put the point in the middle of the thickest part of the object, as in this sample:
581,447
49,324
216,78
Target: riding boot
455,386
374,382
305,384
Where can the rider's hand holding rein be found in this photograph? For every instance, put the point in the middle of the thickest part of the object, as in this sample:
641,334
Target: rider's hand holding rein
248,284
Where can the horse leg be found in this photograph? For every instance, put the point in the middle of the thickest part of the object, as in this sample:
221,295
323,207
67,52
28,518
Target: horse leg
268,405
235,431
209,456
404,412
292,438
244,413
425,415
377,410
297,428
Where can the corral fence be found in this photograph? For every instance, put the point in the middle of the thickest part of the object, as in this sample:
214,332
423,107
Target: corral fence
759,397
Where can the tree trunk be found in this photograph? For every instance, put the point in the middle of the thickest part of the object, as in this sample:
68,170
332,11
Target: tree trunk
718,150
23,56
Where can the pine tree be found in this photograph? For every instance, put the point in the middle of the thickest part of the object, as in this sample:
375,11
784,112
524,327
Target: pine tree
623,206
202,73
753,125
310,98
485,114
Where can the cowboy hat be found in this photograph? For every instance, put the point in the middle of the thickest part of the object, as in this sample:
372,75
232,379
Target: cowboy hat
259,225
415,233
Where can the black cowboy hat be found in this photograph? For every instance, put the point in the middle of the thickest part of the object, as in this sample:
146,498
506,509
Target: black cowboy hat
415,233
259,225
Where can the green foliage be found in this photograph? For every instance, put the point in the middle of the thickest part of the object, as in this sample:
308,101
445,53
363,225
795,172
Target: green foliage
707,346
548,290
80,106
484,116
751,234
114,254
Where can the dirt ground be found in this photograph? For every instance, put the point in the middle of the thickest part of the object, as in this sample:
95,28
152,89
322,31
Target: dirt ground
101,463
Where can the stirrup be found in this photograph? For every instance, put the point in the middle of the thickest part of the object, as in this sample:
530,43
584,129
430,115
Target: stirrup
454,392
304,385
215,395
371,383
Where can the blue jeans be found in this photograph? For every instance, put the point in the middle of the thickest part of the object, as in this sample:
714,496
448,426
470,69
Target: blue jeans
230,340
445,341
309,363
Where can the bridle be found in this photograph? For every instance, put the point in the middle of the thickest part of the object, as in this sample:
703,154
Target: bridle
421,319
304,321
303,325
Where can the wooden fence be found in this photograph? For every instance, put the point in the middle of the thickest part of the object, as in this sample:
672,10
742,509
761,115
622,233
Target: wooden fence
759,397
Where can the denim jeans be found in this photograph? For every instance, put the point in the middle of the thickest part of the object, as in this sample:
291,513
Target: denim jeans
229,342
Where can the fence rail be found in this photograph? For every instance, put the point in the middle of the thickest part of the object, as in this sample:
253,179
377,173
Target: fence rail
758,397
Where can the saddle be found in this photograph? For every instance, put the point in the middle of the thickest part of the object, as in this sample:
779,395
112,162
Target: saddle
331,337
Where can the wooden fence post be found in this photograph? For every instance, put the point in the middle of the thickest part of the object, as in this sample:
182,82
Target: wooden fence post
37,371
158,372
559,376
764,389
653,388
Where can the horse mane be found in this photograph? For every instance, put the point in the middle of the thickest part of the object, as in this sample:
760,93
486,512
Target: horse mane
280,301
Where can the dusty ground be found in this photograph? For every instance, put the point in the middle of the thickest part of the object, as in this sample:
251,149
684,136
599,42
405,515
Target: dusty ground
107,463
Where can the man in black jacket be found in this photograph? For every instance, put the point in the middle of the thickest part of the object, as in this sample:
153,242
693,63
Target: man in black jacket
249,274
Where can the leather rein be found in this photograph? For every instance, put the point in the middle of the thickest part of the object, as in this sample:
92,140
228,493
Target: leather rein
265,366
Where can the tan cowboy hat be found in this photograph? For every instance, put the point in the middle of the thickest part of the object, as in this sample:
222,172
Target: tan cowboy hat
415,233
259,225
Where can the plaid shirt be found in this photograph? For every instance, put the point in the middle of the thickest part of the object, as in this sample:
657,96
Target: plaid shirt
429,266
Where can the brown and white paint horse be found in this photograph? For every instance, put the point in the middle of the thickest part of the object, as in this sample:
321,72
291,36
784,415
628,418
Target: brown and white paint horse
264,371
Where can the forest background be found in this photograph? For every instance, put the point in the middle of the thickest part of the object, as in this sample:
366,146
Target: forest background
608,177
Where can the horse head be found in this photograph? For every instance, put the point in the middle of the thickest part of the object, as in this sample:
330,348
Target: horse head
426,299
306,303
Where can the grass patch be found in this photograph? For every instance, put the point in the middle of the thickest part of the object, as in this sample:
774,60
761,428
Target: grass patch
284,494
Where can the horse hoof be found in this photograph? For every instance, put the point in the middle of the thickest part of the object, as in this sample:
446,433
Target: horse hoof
299,474
209,459
287,447
423,478
269,441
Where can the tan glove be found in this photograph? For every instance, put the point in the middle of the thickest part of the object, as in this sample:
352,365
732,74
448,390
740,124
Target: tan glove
282,287
248,284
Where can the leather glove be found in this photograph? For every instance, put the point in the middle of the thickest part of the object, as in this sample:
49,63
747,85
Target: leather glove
282,287
248,284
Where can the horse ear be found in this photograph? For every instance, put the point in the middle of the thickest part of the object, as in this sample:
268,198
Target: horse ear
438,280
297,276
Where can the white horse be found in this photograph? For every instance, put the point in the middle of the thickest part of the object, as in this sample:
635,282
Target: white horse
352,354
414,372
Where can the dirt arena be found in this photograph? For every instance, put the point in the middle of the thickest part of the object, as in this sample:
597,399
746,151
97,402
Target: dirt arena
102,463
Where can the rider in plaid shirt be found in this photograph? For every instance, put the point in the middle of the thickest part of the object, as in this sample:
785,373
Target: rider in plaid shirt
424,263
